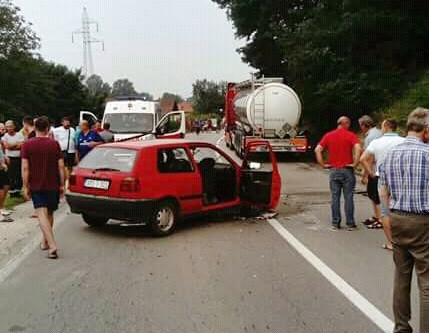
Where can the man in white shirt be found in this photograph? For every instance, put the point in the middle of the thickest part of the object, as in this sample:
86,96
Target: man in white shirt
65,135
12,142
371,160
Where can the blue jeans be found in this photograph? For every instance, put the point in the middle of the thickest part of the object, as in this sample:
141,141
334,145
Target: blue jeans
342,180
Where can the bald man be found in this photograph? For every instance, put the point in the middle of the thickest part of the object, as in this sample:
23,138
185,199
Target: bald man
344,150
87,139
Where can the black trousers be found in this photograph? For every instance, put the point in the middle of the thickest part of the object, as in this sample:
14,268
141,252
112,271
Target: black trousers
14,173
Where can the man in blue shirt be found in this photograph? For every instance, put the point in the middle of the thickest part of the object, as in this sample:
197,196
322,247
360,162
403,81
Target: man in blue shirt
87,139
404,181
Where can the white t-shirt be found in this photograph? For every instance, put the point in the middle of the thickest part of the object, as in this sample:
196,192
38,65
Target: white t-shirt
373,133
66,138
379,147
13,139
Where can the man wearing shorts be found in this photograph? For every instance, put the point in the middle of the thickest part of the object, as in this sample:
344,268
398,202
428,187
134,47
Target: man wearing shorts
43,178
372,157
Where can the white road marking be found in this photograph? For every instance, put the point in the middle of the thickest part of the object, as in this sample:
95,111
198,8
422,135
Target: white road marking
367,308
218,142
14,262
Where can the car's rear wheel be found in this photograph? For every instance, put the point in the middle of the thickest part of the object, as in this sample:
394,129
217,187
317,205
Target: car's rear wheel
164,218
94,221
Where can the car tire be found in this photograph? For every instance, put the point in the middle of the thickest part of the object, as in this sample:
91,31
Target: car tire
94,221
164,218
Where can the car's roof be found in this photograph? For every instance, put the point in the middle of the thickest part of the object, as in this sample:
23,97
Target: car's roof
153,143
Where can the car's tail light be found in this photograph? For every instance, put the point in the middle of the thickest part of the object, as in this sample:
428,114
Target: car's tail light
72,179
130,184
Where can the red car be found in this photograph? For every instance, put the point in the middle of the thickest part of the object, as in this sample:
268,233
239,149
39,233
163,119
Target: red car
156,182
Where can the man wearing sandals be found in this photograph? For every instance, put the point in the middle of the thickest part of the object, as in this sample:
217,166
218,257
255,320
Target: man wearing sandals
43,178
404,181
373,155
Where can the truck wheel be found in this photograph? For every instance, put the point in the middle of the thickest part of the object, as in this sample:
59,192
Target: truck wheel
94,221
164,218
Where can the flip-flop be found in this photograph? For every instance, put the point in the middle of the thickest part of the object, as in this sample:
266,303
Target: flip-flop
370,221
53,254
44,247
375,225
384,246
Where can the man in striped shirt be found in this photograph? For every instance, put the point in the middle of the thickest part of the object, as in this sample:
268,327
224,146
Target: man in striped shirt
404,181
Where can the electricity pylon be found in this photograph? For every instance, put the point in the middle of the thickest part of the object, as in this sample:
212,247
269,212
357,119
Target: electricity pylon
88,65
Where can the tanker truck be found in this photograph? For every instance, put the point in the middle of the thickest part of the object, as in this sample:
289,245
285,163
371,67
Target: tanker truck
266,109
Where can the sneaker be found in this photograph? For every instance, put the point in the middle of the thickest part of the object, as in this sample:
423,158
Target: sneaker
335,227
6,219
352,227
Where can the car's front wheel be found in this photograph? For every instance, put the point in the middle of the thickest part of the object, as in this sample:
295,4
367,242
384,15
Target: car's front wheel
164,218
94,221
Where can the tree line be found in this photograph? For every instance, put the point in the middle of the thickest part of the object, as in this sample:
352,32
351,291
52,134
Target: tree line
341,56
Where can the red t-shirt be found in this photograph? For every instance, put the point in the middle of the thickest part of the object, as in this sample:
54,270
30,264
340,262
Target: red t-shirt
340,144
42,155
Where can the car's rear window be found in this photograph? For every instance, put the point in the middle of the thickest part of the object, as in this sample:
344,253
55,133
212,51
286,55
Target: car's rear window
109,159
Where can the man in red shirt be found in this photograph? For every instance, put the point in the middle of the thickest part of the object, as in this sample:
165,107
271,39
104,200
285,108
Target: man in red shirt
344,150
43,178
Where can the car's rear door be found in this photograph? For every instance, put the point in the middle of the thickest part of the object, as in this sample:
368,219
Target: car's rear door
176,175
260,183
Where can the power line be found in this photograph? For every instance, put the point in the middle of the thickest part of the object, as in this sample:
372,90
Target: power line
88,64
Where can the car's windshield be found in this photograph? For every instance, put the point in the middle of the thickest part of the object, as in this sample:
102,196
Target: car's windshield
130,122
109,159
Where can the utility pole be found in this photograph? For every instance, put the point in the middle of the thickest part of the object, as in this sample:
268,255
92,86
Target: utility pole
88,65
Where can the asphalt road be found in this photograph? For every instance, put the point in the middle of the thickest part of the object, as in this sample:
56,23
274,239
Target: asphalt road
215,274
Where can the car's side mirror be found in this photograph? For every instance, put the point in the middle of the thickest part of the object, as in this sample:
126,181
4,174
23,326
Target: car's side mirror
160,130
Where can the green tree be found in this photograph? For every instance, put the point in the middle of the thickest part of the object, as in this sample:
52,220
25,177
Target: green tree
208,96
170,97
123,87
147,96
97,87
30,85
16,35
98,93
341,56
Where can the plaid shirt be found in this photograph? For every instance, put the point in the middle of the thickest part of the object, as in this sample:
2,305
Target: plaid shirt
405,171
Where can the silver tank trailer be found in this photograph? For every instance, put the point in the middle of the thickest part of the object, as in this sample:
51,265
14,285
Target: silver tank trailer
271,109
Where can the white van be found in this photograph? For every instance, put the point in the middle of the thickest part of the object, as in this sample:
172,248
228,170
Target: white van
128,118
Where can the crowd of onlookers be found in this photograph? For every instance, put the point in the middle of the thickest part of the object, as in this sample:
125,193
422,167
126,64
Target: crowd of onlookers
396,172
74,144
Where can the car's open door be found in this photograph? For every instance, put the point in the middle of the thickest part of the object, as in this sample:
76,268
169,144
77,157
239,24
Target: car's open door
260,183
88,116
171,126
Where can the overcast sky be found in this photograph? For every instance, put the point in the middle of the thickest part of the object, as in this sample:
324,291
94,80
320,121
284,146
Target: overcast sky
160,45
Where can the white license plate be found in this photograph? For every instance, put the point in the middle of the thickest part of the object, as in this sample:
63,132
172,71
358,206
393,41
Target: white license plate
99,184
